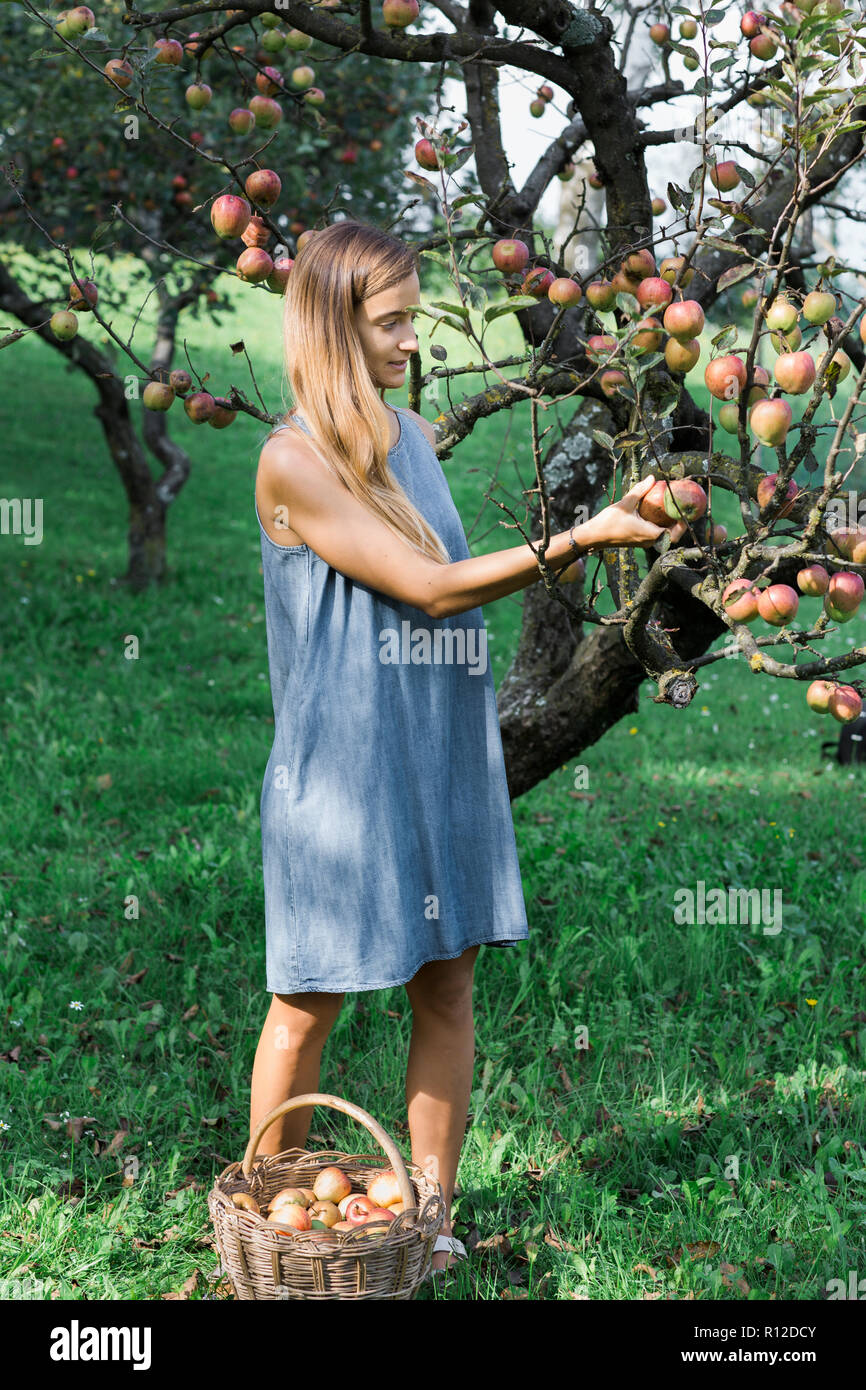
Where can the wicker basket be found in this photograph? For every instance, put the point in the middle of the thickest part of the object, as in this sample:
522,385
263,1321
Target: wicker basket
387,1261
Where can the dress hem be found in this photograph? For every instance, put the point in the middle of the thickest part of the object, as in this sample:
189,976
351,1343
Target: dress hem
392,984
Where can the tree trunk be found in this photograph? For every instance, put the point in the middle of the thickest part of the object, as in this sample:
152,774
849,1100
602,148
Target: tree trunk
148,499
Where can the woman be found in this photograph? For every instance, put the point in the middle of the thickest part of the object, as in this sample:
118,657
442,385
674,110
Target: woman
388,845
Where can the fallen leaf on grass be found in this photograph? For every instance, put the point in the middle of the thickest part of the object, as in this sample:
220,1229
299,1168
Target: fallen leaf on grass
701,1250
734,1281
190,1286
646,1269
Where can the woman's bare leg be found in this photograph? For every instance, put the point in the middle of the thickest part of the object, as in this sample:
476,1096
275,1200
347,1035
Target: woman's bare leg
439,1072
288,1059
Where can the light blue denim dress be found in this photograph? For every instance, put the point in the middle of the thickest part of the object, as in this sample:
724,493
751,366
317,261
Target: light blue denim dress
387,837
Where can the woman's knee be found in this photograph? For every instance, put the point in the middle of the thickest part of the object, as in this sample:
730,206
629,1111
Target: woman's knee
444,992
303,1020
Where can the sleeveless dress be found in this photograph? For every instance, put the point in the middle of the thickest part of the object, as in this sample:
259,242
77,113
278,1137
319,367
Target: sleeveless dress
387,837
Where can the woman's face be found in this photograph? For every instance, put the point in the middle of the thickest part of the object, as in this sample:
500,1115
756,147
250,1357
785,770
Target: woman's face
386,334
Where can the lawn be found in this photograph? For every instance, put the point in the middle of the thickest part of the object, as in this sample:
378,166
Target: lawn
661,1109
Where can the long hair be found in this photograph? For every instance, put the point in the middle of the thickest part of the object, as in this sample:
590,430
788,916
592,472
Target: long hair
333,389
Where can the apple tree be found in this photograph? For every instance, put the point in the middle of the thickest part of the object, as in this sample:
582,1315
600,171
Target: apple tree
734,243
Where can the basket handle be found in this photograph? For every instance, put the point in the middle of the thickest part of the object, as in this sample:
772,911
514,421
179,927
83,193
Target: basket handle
354,1112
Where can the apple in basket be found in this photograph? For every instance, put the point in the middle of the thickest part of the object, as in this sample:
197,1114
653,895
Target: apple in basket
331,1185
359,1209
291,1216
383,1188
288,1196
379,1214
326,1213
246,1202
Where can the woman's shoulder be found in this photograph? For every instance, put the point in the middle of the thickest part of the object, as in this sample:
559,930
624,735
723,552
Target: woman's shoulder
424,425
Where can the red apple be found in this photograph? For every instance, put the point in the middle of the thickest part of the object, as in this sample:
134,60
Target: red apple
292,1216
508,255
684,319
180,381
770,421
599,346
751,22
241,120
84,298
724,176
658,206
119,71
765,489
778,604
611,380
279,276
223,415
537,281
398,13
845,590
660,34
263,186
358,1209
638,265
200,406
545,92
379,1214
254,265
269,81
740,600
845,704
813,580
667,503
425,154
654,293
169,51
725,377
314,96
563,290
762,46
795,372
230,215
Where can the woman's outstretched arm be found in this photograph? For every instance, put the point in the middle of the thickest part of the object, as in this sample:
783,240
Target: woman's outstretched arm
352,540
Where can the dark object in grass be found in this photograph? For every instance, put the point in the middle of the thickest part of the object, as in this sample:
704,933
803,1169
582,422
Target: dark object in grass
851,744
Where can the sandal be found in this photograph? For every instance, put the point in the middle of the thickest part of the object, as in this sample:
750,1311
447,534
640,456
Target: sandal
452,1245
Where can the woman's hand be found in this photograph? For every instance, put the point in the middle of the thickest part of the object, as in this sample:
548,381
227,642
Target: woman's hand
619,524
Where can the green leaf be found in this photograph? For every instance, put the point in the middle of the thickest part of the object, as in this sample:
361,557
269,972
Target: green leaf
456,161
450,308
466,198
510,306
603,439
726,337
746,175
628,304
714,17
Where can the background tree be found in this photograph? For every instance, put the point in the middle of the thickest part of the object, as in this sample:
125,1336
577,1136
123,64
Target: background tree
123,196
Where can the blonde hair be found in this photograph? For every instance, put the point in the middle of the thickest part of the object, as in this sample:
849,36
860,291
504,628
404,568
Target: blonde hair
333,389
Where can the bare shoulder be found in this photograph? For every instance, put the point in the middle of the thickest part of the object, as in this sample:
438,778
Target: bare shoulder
285,455
424,425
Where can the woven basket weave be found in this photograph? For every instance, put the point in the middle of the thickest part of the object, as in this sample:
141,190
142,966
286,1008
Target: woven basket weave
375,1261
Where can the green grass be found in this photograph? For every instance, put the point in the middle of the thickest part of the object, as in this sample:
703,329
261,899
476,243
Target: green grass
708,1138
